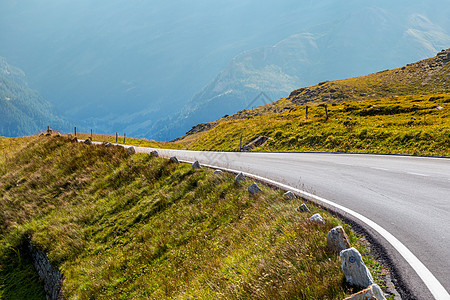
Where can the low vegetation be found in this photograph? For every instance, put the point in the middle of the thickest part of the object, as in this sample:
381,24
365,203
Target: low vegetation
139,227
417,124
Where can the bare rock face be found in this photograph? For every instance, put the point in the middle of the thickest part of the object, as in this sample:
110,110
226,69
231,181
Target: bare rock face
239,177
254,189
337,239
373,292
174,160
218,172
303,208
88,141
289,195
317,218
196,165
131,150
355,271
154,153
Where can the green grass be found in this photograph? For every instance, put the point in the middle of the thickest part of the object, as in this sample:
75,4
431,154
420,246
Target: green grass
131,141
137,227
403,125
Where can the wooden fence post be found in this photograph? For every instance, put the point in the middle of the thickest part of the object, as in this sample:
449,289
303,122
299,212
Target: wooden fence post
124,137
306,112
75,131
91,134
240,144
117,137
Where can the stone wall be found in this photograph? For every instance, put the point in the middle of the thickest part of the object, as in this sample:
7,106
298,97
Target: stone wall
50,276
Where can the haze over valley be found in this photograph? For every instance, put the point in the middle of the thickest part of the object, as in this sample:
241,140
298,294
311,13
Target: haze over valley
155,69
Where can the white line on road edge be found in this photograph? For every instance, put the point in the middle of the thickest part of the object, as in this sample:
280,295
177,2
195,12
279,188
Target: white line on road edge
433,285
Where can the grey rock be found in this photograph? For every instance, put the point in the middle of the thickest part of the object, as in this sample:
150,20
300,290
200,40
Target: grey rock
131,150
289,195
373,292
154,153
218,172
174,160
355,271
239,177
254,189
108,144
196,165
317,218
303,208
88,141
337,239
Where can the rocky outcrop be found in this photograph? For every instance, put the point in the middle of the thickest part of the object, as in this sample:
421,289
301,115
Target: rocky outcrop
303,208
196,165
131,150
88,141
289,195
355,271
174,160
154,153
239,177
317,218
337,239
373,292
254,189
258,142
49,275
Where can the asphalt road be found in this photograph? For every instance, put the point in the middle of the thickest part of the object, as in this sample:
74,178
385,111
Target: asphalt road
407,196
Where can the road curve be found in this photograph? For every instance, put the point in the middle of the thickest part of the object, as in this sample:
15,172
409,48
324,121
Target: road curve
407,196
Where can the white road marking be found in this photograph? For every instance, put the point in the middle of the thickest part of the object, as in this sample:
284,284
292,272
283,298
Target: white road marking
381,169
418,174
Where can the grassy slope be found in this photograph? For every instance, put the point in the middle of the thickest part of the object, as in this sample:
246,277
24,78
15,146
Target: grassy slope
122,227
405,125
393,111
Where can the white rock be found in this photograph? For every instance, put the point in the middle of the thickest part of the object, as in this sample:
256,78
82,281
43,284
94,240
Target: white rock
131,150
373,292
355,271
196,165
337,239
317,218
239,177
254,189
303,208
218,172
289,195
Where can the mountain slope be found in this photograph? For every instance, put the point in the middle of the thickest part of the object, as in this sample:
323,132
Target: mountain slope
366,40
403,110
139,227
23,110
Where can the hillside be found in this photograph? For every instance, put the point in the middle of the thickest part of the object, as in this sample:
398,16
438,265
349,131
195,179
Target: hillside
372,113
329,51
123,227
23,110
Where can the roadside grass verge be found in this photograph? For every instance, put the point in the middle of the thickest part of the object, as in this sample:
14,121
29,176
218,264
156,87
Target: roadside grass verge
131,141
138,227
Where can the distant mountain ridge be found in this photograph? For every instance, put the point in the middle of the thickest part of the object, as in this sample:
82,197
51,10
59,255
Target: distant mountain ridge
23,111
327,52
429,76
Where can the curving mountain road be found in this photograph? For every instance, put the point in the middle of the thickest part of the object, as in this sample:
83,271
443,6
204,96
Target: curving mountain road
409,197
